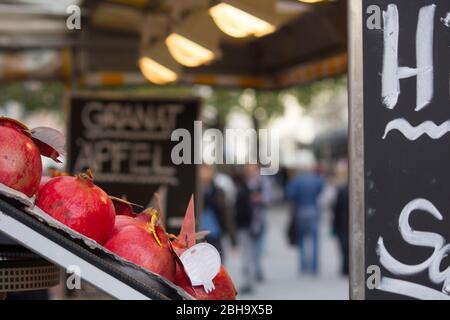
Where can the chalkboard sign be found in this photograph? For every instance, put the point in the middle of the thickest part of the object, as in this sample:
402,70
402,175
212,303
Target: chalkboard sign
401,136
126,141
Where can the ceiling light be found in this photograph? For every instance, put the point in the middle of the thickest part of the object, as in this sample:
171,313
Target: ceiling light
157,65
187,52
244,18
196,41
312,1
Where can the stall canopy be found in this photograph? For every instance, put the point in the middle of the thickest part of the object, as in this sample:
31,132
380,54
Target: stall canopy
198,41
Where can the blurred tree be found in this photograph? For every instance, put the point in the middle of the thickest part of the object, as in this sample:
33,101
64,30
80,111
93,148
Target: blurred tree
223,101
306,93
34,95
260,105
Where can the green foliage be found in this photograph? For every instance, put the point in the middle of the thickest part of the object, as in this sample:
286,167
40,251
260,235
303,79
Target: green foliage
260,105
223,101
264,105
306,93
34,95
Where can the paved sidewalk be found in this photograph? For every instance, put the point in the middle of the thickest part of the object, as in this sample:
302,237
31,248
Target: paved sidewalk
283,280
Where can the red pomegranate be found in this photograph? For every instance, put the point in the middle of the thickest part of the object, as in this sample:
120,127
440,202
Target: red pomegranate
20,158
224,287
143,243
20,154
78,203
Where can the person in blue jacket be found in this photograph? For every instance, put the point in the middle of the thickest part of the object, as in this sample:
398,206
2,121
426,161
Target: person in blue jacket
303,192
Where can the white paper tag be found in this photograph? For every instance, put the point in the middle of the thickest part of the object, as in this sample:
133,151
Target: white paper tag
202,264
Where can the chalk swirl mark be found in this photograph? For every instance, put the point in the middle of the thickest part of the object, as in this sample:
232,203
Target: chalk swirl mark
412,133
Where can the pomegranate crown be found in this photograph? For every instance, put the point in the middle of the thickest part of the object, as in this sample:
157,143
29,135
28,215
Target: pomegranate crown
87,176
154,219
187,236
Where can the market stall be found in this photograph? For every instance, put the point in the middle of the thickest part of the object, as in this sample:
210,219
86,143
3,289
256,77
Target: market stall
99,44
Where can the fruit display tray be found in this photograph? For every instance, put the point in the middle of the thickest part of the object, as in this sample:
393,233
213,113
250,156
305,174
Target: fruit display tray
68,249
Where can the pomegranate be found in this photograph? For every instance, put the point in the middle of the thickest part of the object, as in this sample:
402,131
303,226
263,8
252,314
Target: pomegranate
20,158
20,154
144,243
224,287
78,203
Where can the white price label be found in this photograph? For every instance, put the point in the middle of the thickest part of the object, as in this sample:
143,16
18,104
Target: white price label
202,264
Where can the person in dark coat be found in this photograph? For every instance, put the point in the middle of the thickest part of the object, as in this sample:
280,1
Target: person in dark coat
341,225
253,197
215,217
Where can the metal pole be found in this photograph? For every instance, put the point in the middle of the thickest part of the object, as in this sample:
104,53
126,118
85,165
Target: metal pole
356,153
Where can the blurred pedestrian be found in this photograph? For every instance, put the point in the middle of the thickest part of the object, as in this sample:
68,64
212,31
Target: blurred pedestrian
215,217
303,191
340,225
226,183
327,197
253,197
341,216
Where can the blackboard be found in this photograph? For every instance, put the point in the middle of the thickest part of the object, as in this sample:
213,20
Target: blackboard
126,141
406,109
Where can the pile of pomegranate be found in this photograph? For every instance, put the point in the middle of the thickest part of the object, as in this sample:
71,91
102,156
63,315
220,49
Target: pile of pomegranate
82,206
141,239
